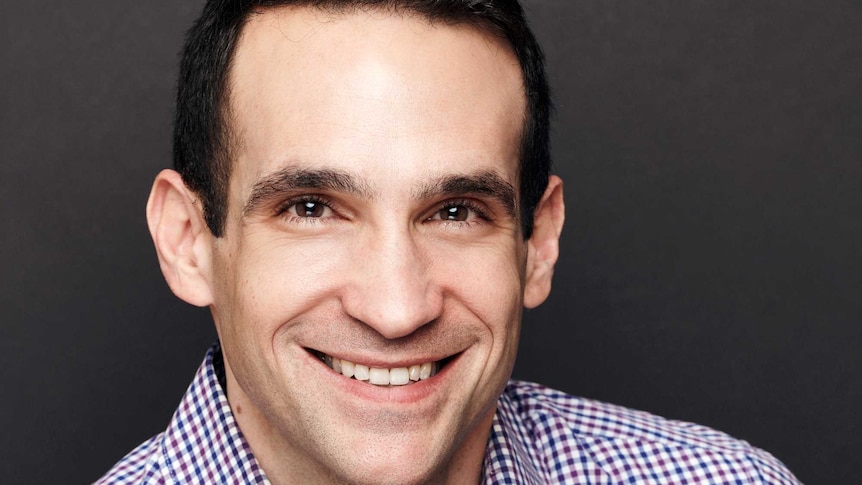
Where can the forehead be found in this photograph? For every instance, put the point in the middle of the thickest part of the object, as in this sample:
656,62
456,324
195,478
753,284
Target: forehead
373,92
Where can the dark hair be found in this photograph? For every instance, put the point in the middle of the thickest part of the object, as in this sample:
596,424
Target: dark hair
202,135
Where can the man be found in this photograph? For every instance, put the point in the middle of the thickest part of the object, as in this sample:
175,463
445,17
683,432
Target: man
362,199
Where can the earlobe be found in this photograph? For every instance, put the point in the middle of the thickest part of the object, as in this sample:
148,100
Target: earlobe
181,238
543,247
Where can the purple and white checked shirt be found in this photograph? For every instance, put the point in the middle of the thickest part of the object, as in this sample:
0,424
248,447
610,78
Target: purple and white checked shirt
539,436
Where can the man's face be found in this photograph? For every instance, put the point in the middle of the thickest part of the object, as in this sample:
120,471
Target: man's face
371,219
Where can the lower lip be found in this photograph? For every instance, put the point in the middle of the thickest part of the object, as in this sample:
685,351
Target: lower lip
406,394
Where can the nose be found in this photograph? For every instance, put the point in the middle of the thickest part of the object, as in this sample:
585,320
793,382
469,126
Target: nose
391,287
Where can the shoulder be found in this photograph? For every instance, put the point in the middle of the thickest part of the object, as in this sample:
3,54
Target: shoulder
142,466
568,434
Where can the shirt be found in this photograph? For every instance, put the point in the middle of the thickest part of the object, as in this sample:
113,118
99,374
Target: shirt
539,436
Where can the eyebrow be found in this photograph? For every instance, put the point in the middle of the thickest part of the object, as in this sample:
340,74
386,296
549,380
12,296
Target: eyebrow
486,183
292,179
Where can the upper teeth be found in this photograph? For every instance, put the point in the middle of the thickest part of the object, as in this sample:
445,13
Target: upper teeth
397,376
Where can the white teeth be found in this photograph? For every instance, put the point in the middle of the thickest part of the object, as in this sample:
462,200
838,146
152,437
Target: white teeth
347,368
360,372
425,371
398,376
379,377
414,372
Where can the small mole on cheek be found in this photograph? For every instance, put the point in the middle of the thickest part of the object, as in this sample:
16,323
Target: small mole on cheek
238,409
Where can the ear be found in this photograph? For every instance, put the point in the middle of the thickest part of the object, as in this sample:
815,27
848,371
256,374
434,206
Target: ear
543,247
181,238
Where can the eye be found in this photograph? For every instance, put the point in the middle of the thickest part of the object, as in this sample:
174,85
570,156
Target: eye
454,213
459,211
309,208
306,207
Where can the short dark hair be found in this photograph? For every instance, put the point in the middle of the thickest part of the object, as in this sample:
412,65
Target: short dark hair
202,135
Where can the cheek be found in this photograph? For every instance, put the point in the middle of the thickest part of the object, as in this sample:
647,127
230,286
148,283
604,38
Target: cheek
264,286
282,273
488,281
487,289
265,283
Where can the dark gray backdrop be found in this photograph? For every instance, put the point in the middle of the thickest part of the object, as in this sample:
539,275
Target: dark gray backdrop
711,266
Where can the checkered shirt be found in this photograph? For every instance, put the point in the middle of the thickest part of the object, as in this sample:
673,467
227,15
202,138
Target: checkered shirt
539,436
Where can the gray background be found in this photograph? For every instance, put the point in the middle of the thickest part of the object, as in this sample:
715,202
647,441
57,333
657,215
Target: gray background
711,266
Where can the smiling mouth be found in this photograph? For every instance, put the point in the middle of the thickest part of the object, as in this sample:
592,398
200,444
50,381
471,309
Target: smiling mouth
396,376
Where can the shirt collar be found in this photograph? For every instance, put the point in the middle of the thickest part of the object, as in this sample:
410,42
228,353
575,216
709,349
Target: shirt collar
508,459
203,440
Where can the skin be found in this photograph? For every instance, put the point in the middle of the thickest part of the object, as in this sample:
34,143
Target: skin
356,136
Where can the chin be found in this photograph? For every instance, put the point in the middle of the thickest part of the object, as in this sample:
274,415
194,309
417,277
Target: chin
392,461
392,474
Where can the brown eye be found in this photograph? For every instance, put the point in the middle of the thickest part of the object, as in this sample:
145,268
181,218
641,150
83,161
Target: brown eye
454,213
309,208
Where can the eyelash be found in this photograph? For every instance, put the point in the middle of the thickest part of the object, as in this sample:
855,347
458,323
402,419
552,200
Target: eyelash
473,206
282,209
